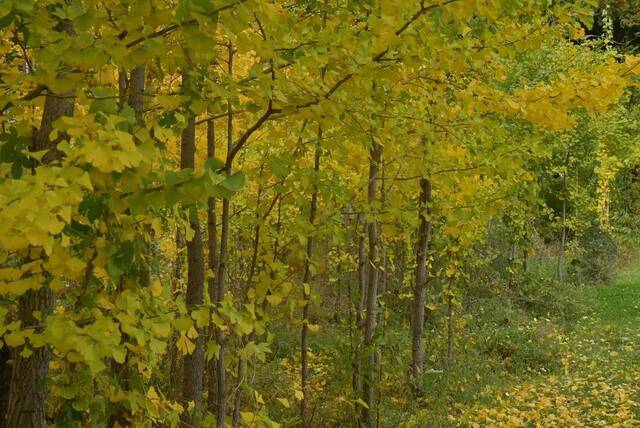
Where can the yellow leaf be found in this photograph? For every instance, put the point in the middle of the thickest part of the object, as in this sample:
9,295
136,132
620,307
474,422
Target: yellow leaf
284,402
249,418
156,288
362,403
152,394
298,394
57,284
14,339
185,345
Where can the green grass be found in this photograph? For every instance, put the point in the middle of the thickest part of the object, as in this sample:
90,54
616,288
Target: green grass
617,303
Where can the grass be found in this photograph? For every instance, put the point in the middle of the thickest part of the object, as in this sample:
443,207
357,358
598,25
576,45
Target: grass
619,302
599,380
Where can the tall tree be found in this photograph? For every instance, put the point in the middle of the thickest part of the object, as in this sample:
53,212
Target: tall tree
420,284
27,399
371,304
193,362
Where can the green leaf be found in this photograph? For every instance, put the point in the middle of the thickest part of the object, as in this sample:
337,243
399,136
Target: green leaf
213,164
234,182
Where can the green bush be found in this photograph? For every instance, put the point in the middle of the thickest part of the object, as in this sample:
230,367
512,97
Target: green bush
596,258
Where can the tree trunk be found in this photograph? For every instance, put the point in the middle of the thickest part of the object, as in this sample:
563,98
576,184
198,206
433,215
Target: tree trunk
136,92
134,87
362,296
27,400
306,295
28,389
371,302
221,405
5,381
563,234
242,362
449,330
193,367
212,261
420,286
174,356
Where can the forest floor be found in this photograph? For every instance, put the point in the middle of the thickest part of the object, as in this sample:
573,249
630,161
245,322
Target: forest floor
599,381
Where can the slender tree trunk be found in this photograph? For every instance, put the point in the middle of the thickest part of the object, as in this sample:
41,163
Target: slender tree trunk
134,88
362,296
420,286
136,92
306,296
220,292
371,304
563,233
122,88
212,262
400,264
242,362
450,330
513,260
382,282
174,356
338,298
221,409
193,367
28,389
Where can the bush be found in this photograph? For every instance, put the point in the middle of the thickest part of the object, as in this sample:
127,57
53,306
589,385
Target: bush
596,258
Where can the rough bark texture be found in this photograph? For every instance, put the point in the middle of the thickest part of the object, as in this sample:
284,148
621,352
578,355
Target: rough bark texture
27,400
28,389
420,286
304,331
371,303
193,367
136,91
5,381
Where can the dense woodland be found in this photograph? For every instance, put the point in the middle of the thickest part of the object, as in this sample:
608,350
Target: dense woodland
313,213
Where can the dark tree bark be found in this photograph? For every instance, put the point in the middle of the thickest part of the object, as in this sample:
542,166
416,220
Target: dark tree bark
5,381
28,389
193,367
136,91
420,286
27,400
